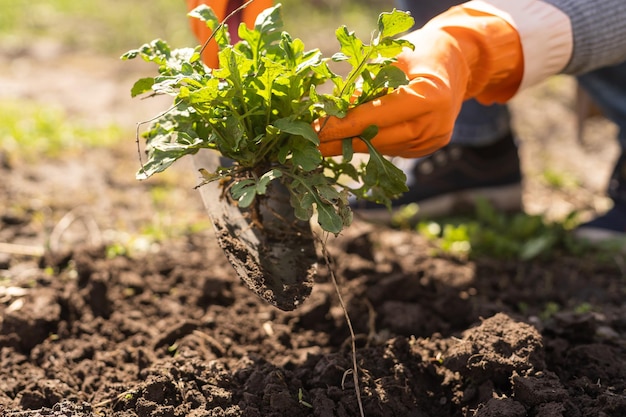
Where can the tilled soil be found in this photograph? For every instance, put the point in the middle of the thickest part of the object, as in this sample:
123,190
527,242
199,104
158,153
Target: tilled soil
89,330
173,333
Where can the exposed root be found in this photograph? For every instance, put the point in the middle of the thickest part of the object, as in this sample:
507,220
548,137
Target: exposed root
355,369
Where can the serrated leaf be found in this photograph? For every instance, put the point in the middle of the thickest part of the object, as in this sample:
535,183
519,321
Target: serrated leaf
206,14
394,23
387,78
390,48
351,46
309,61
233,67
266,76
249,36
334,106
301,198
203,98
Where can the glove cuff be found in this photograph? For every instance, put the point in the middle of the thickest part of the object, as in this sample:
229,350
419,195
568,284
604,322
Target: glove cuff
491,49
545,33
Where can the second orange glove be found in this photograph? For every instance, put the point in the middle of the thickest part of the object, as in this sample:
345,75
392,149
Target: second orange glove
461,54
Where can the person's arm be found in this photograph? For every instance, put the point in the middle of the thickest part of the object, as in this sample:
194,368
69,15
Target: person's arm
486,50
599,33
223,8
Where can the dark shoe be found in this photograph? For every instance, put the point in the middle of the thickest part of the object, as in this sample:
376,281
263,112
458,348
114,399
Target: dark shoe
453,178
612,225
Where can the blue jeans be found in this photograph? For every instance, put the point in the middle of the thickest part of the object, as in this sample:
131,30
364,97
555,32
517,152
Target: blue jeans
478,125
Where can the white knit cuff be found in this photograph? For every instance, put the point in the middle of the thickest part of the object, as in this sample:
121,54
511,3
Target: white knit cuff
545,33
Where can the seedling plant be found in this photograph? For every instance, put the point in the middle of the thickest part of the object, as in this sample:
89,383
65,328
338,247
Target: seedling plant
257,108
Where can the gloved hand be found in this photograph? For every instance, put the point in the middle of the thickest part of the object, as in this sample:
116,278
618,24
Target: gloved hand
460,54
223,8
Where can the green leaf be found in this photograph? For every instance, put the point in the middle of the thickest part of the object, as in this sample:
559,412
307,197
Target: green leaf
269,20
265,78
347,150
304,154
244,192
234,66
301,199
380,172
394,23
327,193
291,49
162,156
389,48
328,218
351,47
386,79
309,61
141,86
368,134
333,106
536,246
266,178
203,99
296,127
206,14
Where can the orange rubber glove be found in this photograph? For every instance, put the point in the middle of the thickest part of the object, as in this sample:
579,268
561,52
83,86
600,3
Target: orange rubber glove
460,54
223,8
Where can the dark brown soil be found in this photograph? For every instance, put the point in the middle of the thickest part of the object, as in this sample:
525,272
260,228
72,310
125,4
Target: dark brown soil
169,330
174,333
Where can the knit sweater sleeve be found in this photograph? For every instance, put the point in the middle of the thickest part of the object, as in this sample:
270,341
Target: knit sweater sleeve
599,32
563,36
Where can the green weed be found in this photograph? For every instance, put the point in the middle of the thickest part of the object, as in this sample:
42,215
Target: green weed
505,236
549,310
29,130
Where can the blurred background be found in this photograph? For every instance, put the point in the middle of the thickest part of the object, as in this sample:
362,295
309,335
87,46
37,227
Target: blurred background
117,25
